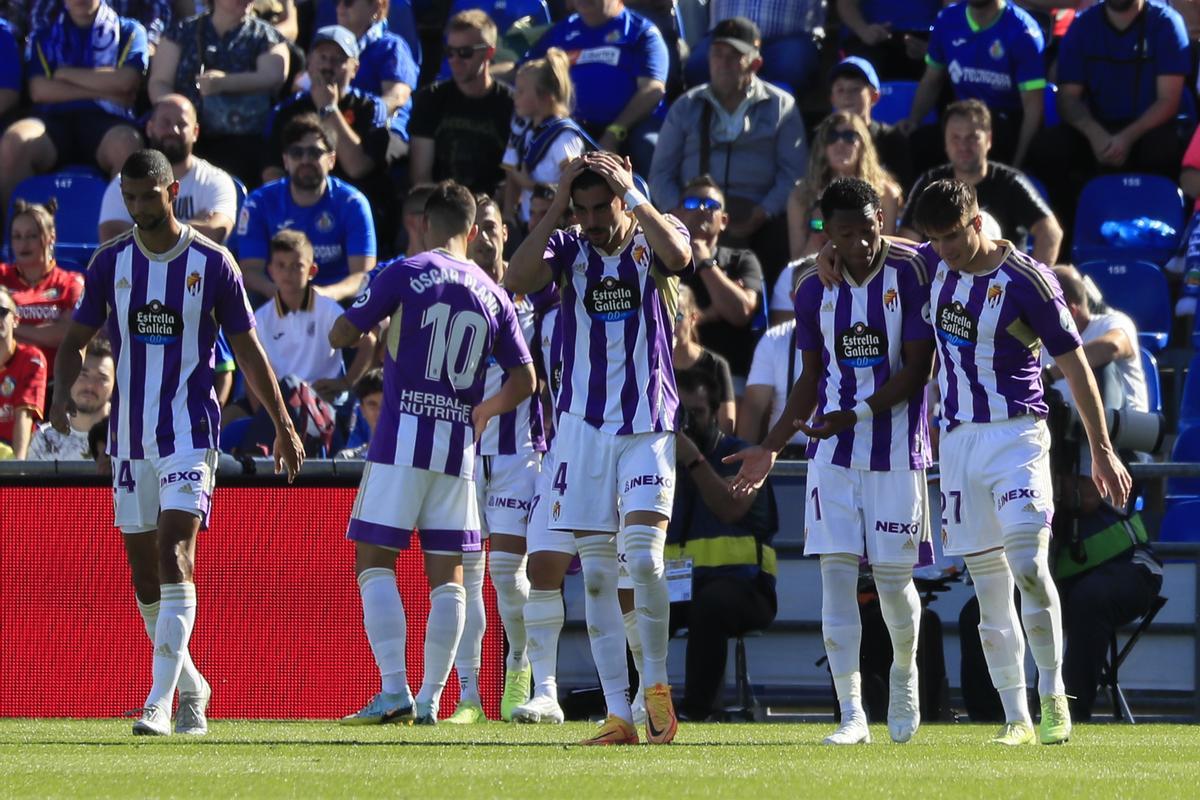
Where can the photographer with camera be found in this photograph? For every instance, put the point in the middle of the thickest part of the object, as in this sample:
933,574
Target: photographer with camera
718,547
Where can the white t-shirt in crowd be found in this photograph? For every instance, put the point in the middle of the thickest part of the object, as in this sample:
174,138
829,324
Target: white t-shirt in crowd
566,146
203,190
1133,378
48,444
770,368
297,342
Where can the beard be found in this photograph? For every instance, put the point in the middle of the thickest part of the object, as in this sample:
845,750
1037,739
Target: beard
173,147
308,178
88,405
1120,5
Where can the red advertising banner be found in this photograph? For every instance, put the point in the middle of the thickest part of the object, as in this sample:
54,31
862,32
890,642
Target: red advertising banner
278,631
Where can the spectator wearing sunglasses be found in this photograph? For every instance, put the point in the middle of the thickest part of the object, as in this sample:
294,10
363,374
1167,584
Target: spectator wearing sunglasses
335,216
842,149
460,127
728,281
747,134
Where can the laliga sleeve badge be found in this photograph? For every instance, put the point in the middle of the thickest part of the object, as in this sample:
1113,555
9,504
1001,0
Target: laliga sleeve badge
362,299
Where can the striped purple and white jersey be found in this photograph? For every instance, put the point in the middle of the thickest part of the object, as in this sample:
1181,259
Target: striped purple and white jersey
618,313
520,430
860,332
990,330
163,311
447,318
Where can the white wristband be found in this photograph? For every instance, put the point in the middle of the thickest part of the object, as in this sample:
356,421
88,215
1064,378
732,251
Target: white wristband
633,199
863,411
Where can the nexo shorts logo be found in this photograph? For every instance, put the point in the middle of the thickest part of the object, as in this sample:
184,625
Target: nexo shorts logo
612,300
955,326
155,324
191,475
860,346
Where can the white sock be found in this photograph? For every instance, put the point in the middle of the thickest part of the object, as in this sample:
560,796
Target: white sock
544,621
512,590
189,676
605,629
901,607
469,656
644,557
176,617
1000,632
841,627
634,637
386,627
1028,554
447,609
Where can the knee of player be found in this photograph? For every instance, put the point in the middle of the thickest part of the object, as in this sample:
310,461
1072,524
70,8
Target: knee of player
644,565
598,584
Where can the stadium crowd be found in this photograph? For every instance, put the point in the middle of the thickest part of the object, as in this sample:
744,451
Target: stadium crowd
306,137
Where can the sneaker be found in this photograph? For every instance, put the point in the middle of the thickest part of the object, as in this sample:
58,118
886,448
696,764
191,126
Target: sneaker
190,718
853,730
516,691
383,708
468,712
904,705
1055,727
155,721
541,708
661,723
423,714
638,706
1015,734
614,730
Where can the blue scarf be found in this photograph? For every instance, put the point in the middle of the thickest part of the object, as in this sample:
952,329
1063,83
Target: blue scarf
538,140
66,44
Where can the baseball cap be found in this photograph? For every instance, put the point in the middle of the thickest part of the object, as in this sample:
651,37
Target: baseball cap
340,36
739,33
856,67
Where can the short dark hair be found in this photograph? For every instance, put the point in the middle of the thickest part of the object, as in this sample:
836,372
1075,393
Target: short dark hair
148,163
693,380
99,347
450,208
588,179
704,181
944,205
848,194
972,110
371,382
483,201
303,125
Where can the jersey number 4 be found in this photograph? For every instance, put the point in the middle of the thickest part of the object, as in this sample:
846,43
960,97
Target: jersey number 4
455,344
125,478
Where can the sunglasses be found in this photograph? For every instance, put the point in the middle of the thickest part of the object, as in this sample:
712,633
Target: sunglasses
464,52
849,137
345,2
5,311
299,153
706,203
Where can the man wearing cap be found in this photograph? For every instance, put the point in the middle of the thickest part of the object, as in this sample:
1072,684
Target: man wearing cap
747,134
791,32
854,88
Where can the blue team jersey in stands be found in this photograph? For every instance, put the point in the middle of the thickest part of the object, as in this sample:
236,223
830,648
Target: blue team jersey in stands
607,61
339,226
384,56
1118,69
993,64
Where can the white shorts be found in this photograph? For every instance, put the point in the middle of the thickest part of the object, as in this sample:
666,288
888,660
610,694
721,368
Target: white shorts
392,500
504,487
539,537
142,487
995,479
599,477
882,515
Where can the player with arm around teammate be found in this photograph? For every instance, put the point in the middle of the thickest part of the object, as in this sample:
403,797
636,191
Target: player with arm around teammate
162,290
867,351
446,319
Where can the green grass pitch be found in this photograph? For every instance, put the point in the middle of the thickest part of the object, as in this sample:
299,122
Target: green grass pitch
99,758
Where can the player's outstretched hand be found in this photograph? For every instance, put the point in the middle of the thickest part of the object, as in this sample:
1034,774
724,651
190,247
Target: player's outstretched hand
828,425
60,415
289,452
756,463
1111,478
829,266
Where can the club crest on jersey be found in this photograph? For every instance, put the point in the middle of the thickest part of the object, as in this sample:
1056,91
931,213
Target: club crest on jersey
612,300
556,378
861,346
995,294
891,299
7,386
641,255
155,324
325,222
955,326
556,509
193,283
52,293
996,51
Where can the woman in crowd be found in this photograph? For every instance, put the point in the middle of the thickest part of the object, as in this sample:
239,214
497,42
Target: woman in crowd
691,356
842,148
231,65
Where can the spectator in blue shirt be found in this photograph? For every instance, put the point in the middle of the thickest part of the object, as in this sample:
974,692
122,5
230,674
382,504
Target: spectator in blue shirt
10,72
992,51
891,35
86,70
386,66
619,65
333,214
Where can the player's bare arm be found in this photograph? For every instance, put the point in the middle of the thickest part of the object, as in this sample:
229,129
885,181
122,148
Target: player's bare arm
671,248
802,401
728,505
527,270
289,451
515,390
903,385
344,333
829,265
67,365
364,359
1108,473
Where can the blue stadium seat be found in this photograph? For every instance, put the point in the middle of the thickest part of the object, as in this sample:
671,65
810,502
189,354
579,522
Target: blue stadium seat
1186,450
505,12
895,101
1189,407
1153,382
1138,288
79,191
1179,523
1125,197
232,434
